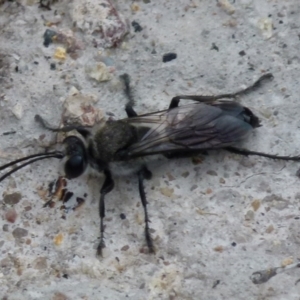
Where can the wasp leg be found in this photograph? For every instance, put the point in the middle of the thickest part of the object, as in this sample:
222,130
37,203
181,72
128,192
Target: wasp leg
107,186
80,129
131,113
175,101
249,152
129,105
184,154
144,173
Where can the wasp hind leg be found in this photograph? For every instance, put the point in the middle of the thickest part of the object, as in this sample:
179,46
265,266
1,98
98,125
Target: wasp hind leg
247,152
207,99
144,173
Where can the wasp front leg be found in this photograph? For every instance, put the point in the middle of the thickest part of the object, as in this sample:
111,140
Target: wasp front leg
107,187
131,113
84,131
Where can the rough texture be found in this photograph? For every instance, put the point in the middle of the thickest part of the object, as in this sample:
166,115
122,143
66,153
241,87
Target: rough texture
215,219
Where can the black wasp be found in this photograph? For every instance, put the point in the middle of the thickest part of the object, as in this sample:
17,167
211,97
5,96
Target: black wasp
211,122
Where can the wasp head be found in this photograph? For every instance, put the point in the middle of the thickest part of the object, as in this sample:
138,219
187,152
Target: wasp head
76,157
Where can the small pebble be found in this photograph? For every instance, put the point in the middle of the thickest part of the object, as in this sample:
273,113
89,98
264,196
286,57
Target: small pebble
269,229
212,173
48,36
17,110
12,199
185,174
249,215
40,263
11,215
222,180
19,233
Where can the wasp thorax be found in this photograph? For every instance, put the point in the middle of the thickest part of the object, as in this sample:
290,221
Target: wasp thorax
112,138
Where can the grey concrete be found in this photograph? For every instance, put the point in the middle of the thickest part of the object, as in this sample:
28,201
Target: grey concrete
216,221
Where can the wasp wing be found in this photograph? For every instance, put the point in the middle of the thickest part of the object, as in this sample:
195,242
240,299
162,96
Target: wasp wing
192,127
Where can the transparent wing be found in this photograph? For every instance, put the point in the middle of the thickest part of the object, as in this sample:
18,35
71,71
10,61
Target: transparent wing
192,127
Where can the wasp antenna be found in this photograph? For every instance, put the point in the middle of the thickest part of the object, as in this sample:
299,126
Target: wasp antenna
40,157
28,157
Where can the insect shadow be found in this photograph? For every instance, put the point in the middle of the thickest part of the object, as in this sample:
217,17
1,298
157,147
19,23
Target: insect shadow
210,122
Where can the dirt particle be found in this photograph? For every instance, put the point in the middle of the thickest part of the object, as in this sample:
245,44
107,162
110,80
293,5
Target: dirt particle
167,191
59,296
255,205
134,7
136,26
219,249
287,261
169,56
125,248
208,191
58,239
196,160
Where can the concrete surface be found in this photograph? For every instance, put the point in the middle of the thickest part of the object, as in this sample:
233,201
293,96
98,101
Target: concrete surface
215,221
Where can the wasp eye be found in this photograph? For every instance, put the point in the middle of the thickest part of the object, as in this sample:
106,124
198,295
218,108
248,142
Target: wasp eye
77,157
75,166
